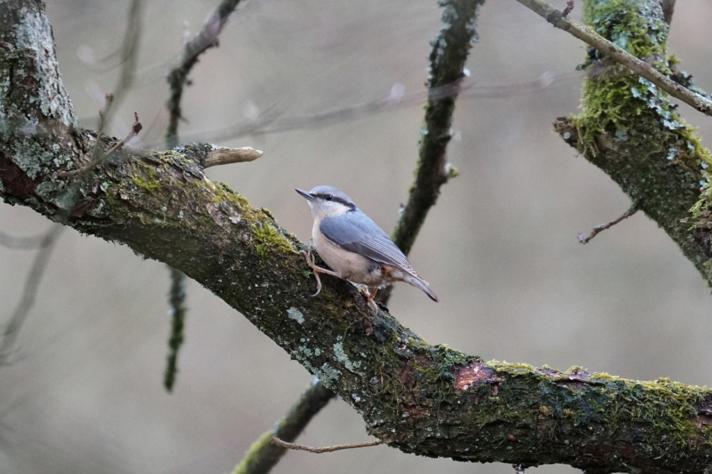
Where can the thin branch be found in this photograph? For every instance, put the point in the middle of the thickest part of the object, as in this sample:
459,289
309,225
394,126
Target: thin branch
29,293
263,454
637,65
584,239
129,52
324,449
270,122
568,8
206,38
176,300
135,130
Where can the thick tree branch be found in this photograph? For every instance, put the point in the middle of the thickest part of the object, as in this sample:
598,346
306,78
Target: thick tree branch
631,130
420,398
636,64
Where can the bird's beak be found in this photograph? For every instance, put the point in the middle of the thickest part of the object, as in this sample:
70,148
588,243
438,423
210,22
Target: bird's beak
305,194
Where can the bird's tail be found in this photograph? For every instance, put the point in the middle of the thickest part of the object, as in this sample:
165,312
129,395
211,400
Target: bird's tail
418,282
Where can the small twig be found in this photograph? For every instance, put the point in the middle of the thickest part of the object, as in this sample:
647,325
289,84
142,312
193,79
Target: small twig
263,454
135,130
324,449
225,156
129,51
568,8
584,239
587,35
29,293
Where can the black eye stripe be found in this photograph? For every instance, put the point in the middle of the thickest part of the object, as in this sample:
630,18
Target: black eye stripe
331,197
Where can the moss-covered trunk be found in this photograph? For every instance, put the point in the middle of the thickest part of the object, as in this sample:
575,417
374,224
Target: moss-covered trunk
632,130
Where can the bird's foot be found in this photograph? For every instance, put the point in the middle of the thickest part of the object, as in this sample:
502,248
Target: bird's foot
309,256
316,269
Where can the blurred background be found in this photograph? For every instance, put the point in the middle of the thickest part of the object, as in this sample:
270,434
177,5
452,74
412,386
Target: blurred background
500,248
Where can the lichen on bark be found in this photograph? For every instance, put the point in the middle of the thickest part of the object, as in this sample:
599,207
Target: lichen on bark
632,130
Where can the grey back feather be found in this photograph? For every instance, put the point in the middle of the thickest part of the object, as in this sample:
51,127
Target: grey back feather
356,232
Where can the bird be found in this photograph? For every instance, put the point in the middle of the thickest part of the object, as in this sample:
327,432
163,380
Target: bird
354,246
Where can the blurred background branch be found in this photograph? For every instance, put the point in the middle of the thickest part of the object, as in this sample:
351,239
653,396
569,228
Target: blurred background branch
14,325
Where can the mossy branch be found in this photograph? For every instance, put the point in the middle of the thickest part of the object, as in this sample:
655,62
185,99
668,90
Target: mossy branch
630,129
420,398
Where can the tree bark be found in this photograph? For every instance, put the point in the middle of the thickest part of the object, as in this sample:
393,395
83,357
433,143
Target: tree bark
632,131
425,399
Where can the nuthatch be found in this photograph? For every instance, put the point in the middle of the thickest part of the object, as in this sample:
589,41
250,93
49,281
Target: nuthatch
354,246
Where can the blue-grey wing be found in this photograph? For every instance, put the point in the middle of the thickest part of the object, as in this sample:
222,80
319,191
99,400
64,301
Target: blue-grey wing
356,232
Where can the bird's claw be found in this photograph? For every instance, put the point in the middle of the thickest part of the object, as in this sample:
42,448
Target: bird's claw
311,261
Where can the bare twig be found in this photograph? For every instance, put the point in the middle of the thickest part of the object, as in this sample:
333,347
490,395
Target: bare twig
587,35
263,454
324,449
29,293
129,51
584,239
206,38
568,8
98,156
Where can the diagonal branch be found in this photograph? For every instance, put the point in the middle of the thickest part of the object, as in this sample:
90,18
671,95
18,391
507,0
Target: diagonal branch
206,38
630,129
701,102
12,328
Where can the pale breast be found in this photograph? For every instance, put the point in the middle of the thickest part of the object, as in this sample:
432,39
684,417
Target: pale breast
351,266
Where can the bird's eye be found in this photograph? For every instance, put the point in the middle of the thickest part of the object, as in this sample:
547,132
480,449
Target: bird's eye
328,197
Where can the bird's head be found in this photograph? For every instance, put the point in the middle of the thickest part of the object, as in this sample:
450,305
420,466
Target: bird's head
327,201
